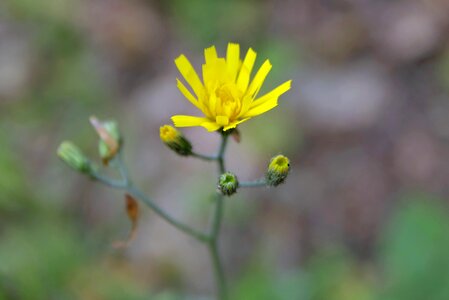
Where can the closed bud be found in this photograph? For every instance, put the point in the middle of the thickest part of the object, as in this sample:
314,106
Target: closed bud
277,170
228,184
110,138
74,158
174,139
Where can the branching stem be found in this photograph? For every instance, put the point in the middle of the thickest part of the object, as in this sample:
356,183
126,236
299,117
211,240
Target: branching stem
211,239
126,185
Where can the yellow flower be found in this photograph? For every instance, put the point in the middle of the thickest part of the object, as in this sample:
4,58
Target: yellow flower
226,96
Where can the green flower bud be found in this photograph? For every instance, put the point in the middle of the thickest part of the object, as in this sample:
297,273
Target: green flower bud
277,170
110,138
174,139
228,184
74,158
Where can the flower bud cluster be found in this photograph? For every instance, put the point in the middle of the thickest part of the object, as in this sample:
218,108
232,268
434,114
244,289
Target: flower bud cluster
109,145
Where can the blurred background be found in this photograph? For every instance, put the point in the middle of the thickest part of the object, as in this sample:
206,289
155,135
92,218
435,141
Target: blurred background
364,212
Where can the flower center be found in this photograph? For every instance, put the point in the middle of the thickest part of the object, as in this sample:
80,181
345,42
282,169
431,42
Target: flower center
225,95
228,103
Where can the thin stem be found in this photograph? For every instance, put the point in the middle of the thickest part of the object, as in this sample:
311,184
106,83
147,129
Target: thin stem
122,168
255,183
203,156
216,226
117,184
135,192
126,185
218,271
218,216
210,239
221,151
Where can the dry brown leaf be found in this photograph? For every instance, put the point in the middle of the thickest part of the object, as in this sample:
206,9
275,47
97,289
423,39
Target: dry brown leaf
132,210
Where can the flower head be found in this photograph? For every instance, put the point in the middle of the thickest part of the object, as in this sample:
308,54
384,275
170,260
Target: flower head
226,96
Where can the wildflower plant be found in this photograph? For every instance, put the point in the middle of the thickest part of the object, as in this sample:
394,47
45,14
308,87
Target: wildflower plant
226,97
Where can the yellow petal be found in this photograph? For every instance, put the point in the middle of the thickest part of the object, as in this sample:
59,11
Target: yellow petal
210,54
260,109
191,121
214,71
213,102
245,70
274,94
258,80
246,104
210,126
188,121
234,124
233,60
189,74
189,96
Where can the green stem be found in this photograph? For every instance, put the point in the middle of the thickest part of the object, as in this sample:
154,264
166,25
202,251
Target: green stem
203,156
255,183
136,193
216,226
117,184
122,168
129,188
210,239
218,271
221,151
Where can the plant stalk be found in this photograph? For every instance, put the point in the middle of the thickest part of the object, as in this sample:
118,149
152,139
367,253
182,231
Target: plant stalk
217,265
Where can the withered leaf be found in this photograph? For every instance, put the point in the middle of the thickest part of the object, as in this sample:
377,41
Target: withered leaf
111,143
132,210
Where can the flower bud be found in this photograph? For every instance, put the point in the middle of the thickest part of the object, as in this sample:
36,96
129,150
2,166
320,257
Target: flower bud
228,184
174,139
277,170
110,138
74,158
